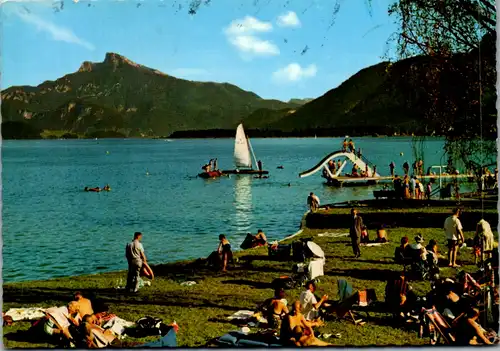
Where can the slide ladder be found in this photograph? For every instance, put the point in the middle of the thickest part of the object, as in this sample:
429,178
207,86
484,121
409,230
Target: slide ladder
361,162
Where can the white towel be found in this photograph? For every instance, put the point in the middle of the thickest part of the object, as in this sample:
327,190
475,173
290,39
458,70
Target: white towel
333,235
28,313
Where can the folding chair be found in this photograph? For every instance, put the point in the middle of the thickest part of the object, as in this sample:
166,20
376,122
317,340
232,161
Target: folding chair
349,300
438,327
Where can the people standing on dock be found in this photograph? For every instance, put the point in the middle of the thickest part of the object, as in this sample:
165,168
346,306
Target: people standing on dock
351,146
331,166
339,164
359,153
134,252
428,190
406,187
453,229
413,186
355,231
420,166
344,145
392,165
313,202
398,186
406,167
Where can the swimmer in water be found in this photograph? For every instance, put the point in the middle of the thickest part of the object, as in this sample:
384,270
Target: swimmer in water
86,188
106,188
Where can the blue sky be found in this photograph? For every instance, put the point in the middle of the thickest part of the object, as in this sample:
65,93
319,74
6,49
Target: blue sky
276,48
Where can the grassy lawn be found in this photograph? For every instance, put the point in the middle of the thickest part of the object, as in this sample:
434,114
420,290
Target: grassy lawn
200,310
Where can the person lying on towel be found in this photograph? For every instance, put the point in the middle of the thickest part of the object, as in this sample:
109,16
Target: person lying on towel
94,335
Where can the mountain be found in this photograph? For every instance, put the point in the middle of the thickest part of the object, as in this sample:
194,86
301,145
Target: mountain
300,101
130,99
389,98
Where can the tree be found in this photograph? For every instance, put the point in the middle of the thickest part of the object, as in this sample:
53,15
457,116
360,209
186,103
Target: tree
457,87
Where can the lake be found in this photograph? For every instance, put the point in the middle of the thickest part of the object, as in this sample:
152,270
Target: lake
52,228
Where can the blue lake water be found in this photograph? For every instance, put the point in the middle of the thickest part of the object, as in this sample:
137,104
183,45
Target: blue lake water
52,228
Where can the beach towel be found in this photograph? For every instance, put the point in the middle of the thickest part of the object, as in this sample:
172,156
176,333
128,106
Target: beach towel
168,340
373,244
118,325
244,315
29,313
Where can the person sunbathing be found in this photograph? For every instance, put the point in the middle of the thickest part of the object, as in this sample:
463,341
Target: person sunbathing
275,309
469,331
259,239
296,319
60,319
302,338
94,335
84,305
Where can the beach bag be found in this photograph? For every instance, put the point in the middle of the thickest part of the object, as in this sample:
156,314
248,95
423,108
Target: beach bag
147,326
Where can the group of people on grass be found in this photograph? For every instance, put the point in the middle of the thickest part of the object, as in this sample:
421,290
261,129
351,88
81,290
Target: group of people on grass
76,325
295,325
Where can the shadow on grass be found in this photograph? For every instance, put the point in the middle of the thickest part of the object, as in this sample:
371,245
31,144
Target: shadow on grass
257,285
363,274
361,260
108,295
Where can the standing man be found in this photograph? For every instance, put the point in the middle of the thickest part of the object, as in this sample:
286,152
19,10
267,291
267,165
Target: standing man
392,166
134,252
453,229
413,187
406,167
259,165
355,232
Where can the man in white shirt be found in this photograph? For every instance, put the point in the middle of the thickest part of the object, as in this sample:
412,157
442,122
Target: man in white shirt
134,252
453,229
310,306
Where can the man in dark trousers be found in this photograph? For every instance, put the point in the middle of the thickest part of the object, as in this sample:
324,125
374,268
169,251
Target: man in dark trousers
259,165
355,232
135,257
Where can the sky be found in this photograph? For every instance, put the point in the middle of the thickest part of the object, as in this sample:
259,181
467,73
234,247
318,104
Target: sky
279,49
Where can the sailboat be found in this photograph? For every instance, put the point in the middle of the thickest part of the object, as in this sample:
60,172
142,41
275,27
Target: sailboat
243,153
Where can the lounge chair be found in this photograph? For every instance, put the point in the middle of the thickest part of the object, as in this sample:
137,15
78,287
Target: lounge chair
437,327
359,301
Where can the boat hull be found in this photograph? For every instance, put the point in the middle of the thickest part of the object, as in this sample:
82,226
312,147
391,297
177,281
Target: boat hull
245,171
208,175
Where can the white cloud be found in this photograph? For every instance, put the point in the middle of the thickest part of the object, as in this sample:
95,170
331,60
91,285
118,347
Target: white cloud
58,33
289,19
190,72
248,25
241,33
253,45
294,73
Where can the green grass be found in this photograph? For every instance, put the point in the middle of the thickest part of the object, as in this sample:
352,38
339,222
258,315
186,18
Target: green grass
200,310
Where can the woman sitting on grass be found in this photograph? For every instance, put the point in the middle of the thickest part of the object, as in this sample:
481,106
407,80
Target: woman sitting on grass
94,335
275,309
296,331
469,331
401,252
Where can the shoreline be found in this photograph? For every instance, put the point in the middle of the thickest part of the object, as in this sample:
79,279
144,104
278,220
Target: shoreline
201,309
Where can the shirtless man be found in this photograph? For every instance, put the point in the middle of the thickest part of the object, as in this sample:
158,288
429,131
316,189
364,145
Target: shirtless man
85,306
260,238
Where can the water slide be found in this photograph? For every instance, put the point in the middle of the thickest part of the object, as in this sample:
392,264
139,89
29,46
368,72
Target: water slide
361,162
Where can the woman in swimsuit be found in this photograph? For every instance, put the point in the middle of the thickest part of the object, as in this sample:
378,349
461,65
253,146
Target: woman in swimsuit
297,319
224,249
275,309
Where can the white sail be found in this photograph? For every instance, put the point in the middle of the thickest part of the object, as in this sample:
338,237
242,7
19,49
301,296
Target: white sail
242,157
